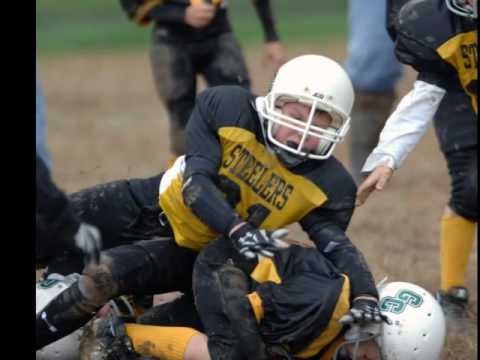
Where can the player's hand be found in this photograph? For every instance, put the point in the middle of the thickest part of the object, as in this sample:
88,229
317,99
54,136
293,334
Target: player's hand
274,53
199,15
252,242
377,180
89,241
364,311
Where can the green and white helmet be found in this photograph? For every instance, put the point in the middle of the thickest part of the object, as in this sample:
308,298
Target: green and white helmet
417,326
415,329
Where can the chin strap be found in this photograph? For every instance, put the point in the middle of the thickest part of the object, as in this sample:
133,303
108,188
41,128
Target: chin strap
287,159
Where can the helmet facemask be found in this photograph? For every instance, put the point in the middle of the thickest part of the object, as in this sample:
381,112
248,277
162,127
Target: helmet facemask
327,137
463,8
318,84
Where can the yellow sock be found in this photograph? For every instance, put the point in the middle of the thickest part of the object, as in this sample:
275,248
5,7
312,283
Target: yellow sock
456,242
164,342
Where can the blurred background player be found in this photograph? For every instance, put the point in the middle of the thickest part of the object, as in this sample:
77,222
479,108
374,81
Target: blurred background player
195,37
374,71
438,38
40,126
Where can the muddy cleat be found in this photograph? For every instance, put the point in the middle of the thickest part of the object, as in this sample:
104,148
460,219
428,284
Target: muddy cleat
454,304
107,340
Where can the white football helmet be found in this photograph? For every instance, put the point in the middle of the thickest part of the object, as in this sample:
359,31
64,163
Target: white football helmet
320,83
416,328
463,7
48,289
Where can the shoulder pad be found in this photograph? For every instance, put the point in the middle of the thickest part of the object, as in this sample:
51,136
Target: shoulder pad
334,180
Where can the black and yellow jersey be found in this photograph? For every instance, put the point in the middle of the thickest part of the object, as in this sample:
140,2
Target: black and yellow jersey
440,45
224,141
231,173
169,16
298,298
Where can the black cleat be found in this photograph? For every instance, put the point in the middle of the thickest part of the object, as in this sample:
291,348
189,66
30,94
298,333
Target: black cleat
454,304
107,340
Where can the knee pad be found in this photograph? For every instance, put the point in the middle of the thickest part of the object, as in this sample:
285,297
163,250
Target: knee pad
97,284
471,191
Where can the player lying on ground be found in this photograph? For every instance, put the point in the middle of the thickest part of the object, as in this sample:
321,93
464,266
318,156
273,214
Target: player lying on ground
294,305
262,159
191,38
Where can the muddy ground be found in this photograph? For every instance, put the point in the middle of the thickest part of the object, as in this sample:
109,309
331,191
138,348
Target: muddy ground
105,123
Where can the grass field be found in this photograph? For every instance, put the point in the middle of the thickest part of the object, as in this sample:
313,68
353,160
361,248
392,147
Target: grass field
66,26
105,123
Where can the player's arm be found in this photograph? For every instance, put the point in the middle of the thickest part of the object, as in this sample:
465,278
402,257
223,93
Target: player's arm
326,227
274,50
143,12
264,12
406,126
200,190
202,161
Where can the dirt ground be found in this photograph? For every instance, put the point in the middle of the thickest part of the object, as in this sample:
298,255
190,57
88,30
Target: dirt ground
105,123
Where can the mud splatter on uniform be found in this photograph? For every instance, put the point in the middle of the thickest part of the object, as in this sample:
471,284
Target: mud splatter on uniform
230,174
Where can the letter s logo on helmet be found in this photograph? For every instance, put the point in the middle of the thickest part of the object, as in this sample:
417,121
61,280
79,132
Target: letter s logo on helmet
417,324
320,83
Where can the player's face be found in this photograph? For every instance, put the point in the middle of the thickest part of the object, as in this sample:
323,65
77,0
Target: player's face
301,112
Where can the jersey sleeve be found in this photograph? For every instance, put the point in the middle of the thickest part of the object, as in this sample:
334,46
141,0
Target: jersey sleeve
327,225
265,15
406,126
215,108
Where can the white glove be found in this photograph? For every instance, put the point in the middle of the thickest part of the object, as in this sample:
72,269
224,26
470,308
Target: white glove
89,241
252,242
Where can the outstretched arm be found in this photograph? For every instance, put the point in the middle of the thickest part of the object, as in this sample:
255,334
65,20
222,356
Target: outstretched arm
402,132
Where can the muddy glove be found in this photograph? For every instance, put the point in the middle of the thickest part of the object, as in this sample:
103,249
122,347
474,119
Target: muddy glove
89,241
252,242
365,310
